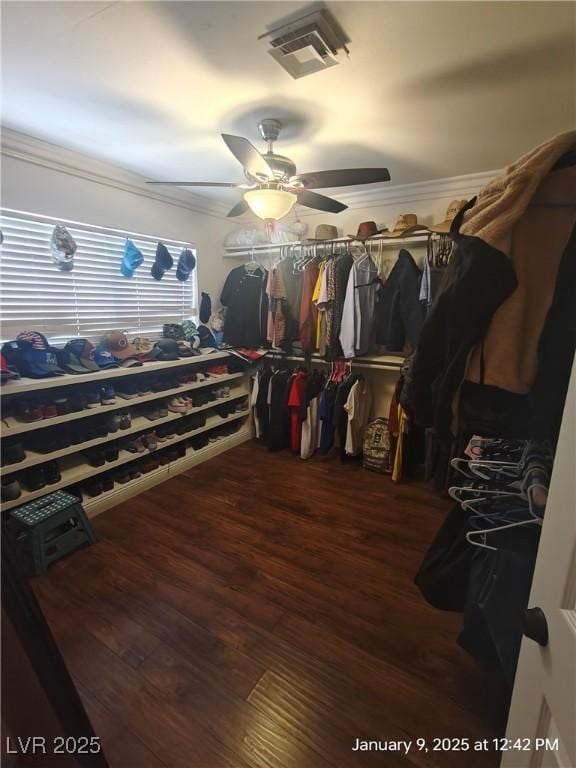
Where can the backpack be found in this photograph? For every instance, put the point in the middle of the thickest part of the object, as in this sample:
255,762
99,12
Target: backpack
376,448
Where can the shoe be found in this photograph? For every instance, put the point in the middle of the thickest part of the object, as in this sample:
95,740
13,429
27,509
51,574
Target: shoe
148,465
111,454
113,423
152,414
165,432
137,445
222,410
196,421
143,385
163,458
122,476
163,410
52,472
178,405
29,411
93,488
211,395
134,473
96,457
63,405
78,402
127,390
125,421
33,479
50,410
10,488
107,482
12,451
197,443
92,398
180,449
151,441
199,399
107,395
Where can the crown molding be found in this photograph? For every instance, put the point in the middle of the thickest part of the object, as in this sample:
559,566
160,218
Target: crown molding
455,187
30,149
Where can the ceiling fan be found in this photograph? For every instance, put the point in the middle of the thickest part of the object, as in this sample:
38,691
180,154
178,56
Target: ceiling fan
274,186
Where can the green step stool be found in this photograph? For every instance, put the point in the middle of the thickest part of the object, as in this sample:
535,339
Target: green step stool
49,528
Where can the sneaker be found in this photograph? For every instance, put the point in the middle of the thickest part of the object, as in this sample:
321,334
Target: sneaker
96,457
50,410
163,458
12,452
125,421
93,488
134,473
151,441
143,385
63,405
152,413
107,395
166,431
163,410
29,411
52,472
178,405
111,454
137,445
33,479
127,390
122,476
107,482
113,423
92,398
10,488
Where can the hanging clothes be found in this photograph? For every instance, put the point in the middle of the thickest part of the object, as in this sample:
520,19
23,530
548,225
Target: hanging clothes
276,291
279,431
292,280
310,439
262,406
319,299
357,407
296,399
399,313
253,404
246,302
358,314
337,282
340,418
308,309
326,416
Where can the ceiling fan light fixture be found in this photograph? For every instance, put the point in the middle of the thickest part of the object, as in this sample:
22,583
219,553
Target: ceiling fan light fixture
269,203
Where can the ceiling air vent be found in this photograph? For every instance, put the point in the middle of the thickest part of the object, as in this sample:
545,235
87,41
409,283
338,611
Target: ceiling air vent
307,45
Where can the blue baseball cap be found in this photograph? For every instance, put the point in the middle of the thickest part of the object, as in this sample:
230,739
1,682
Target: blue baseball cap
104,358
35,357
131,260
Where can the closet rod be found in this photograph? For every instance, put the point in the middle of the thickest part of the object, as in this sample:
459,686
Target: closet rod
238,252
387,365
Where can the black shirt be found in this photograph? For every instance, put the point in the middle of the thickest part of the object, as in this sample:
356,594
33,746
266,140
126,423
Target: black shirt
244,296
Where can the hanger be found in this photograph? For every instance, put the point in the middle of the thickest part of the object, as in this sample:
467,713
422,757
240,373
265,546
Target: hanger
471,535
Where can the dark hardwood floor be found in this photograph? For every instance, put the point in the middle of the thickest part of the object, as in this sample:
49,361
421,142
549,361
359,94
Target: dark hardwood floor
259,612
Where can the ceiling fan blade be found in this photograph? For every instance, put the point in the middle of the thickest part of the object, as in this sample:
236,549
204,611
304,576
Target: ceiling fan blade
199,183
320,202
240,208
247,154
341,178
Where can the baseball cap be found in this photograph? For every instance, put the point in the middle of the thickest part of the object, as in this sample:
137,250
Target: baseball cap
84,351
69,362
166,349
117,342
104,358
6,372
35,357
131,259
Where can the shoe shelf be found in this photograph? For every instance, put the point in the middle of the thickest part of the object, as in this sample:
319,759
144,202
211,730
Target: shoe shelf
12,426
22,386
138,424
193,458
78,471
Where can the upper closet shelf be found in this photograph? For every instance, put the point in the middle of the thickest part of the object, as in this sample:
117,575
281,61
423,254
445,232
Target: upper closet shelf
20,386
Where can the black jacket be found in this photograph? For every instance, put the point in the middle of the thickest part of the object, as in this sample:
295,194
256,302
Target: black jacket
399,312
479,278
246,302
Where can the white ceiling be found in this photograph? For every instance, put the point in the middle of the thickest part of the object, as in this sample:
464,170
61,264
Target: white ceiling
432,89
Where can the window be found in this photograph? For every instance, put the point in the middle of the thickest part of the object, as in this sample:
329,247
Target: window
94,297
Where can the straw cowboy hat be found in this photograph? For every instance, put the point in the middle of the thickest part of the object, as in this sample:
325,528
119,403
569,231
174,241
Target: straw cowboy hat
406,224
324,232
366,229
453,210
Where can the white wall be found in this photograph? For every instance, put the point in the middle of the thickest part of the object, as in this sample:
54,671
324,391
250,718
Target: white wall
43,179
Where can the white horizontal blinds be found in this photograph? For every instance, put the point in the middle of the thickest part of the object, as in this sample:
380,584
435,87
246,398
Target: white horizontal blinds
94,297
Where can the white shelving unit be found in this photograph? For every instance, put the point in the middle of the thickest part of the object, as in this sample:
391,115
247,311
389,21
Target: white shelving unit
75,468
